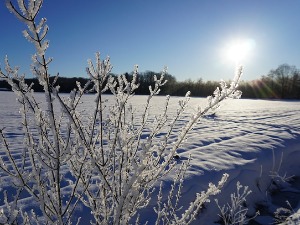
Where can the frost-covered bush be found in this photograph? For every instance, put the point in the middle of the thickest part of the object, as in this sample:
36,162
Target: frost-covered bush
106,160
286,215
235,212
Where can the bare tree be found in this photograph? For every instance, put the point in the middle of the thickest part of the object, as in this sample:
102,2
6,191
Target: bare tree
283,76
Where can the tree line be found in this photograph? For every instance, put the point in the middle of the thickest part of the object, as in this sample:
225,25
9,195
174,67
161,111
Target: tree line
280,83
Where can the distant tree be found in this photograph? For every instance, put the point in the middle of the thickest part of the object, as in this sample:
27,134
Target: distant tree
283,76
248,89
295,85
170,87
199,88
4,85
147,78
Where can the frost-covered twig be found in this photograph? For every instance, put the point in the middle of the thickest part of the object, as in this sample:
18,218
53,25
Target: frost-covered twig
277,179
46,148
235,212
190,214
282,215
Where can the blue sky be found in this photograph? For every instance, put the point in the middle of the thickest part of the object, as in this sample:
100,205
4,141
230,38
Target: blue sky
188,36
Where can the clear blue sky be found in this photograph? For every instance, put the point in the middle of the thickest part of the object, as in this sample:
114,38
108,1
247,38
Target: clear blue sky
188,36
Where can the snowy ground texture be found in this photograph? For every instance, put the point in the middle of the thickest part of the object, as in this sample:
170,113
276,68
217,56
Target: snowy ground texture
257,142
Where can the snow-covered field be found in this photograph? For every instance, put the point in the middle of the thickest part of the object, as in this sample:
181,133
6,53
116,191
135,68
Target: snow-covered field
251,140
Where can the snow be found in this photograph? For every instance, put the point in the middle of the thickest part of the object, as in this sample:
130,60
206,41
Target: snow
245,138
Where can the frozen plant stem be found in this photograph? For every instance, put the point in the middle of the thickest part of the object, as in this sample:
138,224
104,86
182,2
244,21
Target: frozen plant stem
101,159
235,213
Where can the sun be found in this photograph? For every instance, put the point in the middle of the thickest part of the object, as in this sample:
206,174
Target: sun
238,50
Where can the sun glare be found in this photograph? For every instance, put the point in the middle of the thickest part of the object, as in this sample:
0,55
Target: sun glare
238,50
